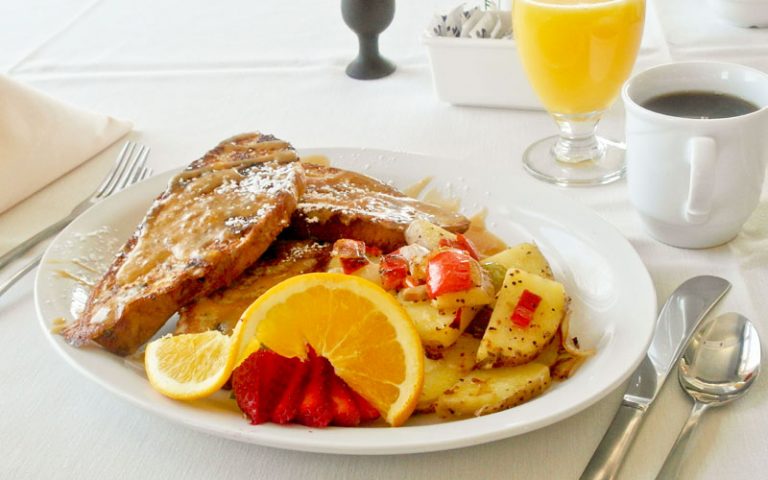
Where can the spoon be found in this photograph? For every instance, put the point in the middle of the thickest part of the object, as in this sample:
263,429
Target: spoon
719,365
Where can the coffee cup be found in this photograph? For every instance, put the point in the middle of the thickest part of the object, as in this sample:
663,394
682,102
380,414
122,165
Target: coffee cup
696,181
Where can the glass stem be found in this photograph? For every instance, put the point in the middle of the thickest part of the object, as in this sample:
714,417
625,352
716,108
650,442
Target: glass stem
577,142
368,47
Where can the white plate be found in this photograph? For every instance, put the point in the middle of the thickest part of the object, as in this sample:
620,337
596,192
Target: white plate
614,307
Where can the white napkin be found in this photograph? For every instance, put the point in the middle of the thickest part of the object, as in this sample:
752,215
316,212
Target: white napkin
42,138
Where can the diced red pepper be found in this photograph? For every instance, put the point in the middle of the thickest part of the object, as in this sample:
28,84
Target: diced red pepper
449,271
373,251
525,308
456,323
393,269
351,254
348,248
411,281
351,265
462,243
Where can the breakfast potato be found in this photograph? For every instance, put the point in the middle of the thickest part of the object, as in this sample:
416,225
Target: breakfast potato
507,342
370,271
551,353
438,378
443,372
479,295
525,256
566,365
481,392
438,328
461,355
422,232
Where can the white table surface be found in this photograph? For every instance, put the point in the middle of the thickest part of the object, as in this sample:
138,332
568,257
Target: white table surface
191,73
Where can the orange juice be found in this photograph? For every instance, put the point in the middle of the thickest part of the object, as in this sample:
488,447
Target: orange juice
578,53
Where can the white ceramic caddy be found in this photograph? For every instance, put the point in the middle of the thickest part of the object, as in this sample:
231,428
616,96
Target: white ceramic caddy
483,72
487,72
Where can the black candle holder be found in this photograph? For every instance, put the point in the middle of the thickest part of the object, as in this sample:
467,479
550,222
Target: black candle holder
368,18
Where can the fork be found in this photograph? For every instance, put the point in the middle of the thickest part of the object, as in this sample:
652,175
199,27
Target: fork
127,170
144,173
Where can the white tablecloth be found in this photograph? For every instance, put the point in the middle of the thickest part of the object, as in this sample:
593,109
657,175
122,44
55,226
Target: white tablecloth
191,73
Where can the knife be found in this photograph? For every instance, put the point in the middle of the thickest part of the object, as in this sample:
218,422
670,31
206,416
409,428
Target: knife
679,317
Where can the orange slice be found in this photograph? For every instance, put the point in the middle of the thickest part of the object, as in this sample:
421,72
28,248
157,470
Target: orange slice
360,328
190,366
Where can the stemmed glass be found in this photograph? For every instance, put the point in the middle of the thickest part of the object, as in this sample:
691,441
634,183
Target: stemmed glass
577,54
368,18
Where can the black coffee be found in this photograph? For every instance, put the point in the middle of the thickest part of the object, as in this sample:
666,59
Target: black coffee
695,104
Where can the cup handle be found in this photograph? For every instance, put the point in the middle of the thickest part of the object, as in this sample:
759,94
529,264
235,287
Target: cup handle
702,155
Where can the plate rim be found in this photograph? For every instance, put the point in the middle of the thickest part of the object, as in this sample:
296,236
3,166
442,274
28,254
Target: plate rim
352,446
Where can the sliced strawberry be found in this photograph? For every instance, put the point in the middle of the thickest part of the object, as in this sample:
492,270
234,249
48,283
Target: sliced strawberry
288,405
367,411
245,386
259,382
345,411
315,409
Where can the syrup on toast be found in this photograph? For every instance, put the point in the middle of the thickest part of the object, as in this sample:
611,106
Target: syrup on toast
342,204
222,309
213,221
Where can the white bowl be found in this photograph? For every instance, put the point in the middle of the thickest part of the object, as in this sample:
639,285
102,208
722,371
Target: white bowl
743,13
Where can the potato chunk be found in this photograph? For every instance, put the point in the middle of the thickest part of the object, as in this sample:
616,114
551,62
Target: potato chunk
551,352
369,272
442,373
422,232
525,256
506,343
438,328
487,391
479,295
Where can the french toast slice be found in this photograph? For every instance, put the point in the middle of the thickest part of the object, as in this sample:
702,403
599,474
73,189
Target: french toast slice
343,204
222,309
212,222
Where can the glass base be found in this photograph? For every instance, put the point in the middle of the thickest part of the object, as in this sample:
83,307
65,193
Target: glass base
540,160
